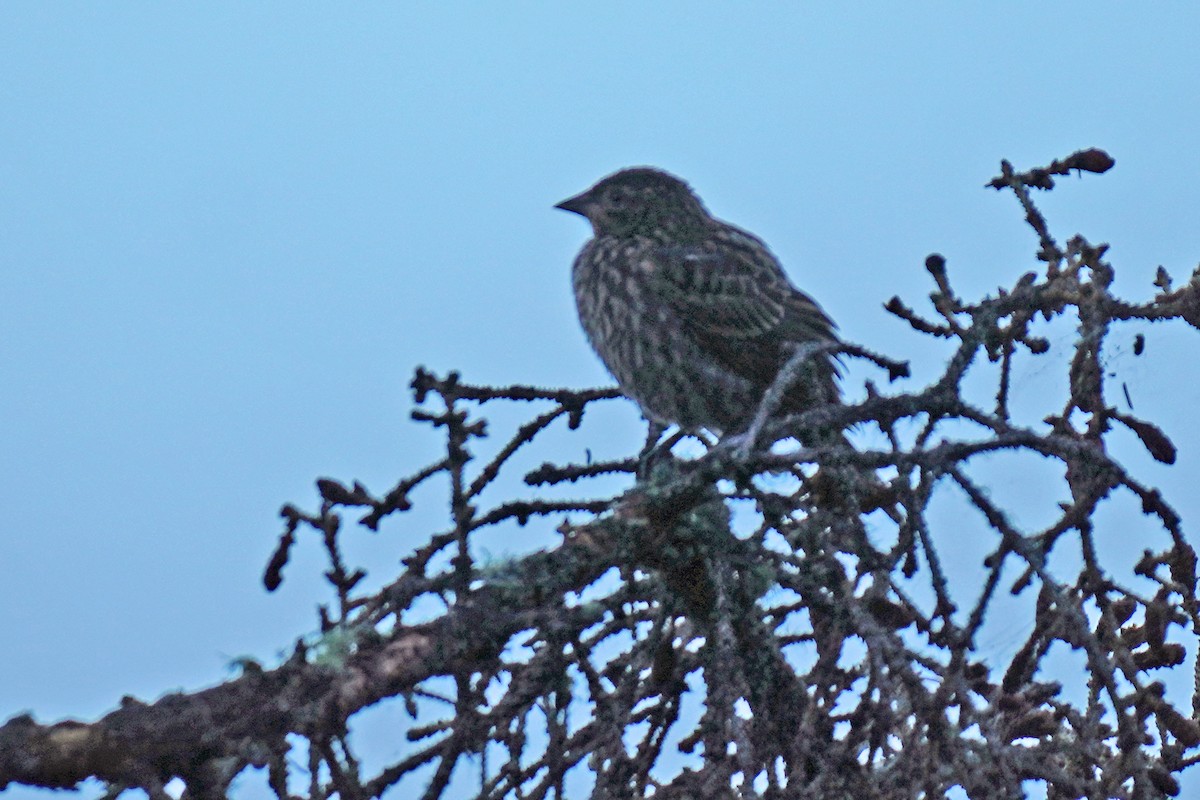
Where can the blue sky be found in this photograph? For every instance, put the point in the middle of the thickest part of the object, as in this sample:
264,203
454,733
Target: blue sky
229,231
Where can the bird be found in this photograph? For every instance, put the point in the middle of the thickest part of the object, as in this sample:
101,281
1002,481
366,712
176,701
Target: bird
693,316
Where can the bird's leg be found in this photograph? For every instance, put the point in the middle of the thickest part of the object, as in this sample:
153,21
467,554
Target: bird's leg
654,432
651,450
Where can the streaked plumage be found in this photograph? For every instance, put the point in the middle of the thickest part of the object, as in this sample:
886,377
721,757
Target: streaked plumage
692,316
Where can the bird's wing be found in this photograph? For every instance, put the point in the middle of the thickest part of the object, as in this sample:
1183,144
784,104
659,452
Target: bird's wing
733,299
733,287
719,292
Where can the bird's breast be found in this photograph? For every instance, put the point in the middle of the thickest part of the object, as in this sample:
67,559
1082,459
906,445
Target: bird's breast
610,290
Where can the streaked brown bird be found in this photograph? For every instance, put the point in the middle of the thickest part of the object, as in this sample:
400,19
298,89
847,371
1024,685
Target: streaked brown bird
693,316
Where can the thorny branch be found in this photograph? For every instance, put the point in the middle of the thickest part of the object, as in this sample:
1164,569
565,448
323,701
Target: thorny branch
745,632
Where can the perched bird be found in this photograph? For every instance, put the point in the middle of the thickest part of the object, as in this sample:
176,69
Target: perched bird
693,316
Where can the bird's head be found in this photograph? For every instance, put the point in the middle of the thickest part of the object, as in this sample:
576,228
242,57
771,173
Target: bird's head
640,201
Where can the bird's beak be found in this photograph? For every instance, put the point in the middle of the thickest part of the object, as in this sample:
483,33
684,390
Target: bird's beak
576,205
